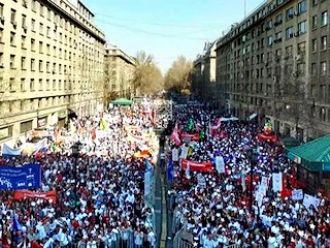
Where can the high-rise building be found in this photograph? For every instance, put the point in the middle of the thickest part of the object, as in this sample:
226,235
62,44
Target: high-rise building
51,64
119,73
275,63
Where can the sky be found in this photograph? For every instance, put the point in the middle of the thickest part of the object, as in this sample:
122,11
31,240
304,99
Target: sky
166,28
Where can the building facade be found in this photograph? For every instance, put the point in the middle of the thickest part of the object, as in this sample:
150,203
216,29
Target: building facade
204,73
51,63
119,74
275,63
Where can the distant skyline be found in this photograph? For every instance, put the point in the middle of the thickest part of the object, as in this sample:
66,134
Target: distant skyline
166,28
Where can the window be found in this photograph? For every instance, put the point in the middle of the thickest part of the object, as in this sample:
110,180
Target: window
12,87
324,42
1,35
269,40
302,27
314,21
289,33
48,32
12,61
32,85
23,42
289,13
24,21
6,132
288,51
23,63
315,2
301,69
48,67
1,10
26,126
33,25
41,29
278,19
33,45
313,69
324,18
13,17
41,47
302,7
12,38
323,68
34,5
48,49
23,88
47,84
41,66
302,48
314,45
41,9
40,85
33,64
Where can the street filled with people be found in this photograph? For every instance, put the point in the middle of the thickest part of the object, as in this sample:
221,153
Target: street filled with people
230,183
249,197
93,197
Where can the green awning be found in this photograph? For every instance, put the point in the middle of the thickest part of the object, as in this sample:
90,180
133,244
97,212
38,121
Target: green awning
122,102
314,155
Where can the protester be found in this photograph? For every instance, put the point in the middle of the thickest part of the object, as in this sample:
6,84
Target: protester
99,192
216,207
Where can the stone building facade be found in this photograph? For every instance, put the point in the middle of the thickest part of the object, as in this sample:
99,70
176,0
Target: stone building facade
119,73
275,63
51,64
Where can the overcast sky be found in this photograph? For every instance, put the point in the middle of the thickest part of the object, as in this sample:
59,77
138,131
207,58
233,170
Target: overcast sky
166,28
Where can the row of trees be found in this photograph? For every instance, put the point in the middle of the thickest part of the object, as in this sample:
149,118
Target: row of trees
148,78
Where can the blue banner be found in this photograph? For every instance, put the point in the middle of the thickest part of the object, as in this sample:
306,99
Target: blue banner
16,178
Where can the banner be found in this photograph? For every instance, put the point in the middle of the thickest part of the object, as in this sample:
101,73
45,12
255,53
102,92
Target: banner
277,182
195,166
194,137
26,194
184,152
148,182
311,200
220,164
8,151
175,155
25,177
297,194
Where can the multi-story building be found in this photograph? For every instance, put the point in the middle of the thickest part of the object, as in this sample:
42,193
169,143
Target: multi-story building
204,73
119,73
51,63
275,63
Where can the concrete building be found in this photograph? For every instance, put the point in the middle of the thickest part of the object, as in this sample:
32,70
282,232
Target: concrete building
204,76
276,63
51,63
119,73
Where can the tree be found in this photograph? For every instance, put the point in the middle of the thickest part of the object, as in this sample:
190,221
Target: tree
147,76
179,76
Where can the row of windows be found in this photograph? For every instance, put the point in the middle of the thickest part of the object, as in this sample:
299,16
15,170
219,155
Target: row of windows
24,84
54,17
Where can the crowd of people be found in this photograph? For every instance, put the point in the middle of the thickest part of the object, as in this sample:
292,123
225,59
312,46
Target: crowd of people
99,192
217,207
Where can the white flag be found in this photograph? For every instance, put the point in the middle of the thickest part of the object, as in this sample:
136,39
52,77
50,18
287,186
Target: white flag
277,182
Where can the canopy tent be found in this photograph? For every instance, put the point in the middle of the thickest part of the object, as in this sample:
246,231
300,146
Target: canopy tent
314,155
122,102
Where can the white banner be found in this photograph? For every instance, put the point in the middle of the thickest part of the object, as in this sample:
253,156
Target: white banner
175,155
184,152
277,182
297,194
311,200
220,164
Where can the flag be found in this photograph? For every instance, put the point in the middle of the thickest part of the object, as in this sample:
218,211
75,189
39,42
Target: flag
16,225
175,135
170,171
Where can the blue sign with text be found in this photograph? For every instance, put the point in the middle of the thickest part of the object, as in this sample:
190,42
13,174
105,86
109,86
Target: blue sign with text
25,177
